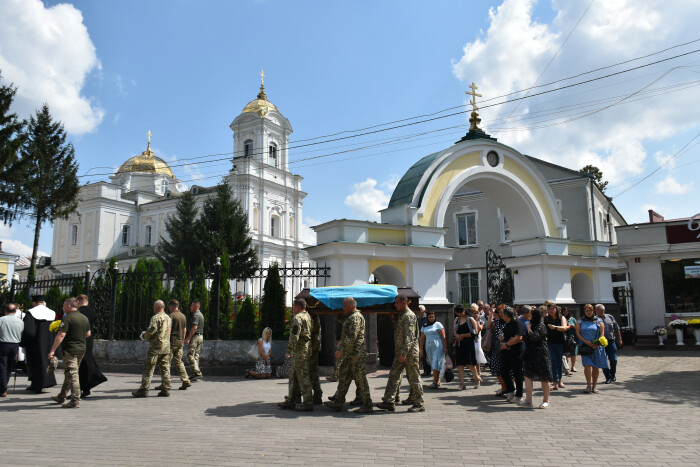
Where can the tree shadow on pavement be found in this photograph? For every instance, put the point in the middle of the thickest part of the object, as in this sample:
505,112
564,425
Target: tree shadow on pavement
270,409
668,387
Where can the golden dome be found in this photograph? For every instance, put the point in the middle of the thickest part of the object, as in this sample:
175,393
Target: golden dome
260,106
146,162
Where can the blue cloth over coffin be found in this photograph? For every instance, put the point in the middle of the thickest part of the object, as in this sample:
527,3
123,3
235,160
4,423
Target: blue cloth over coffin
365,295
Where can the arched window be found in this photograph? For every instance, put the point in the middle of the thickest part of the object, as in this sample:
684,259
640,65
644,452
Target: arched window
273,155
163,186
256,219
248,148
291,227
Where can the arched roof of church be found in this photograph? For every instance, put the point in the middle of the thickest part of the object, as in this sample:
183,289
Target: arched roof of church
403,193
260,106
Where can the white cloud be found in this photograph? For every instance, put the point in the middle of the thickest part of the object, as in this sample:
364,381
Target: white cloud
366,200
308,236
516,48
671,186
11,244
391,183
47,53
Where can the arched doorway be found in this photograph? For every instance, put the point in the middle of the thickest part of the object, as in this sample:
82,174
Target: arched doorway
582,290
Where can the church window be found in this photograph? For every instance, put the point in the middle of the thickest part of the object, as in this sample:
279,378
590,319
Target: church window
469,287
273,154
291,227
74,234
163,186
505,230
274,226
248,148
126,235
148,234
256,218
466,229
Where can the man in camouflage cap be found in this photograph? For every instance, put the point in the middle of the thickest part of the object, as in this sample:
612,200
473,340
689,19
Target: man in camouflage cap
299,349
352,368
406,358
158,333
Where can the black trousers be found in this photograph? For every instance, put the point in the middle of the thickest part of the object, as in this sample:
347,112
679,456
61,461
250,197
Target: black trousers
511,363
8,354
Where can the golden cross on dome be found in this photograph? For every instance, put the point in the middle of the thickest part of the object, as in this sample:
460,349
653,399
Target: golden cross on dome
474,95
262,76
149,136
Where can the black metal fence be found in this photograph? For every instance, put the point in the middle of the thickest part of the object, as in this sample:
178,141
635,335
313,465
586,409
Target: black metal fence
124,299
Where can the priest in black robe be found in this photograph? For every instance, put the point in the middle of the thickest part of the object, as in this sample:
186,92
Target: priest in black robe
89,372
37,340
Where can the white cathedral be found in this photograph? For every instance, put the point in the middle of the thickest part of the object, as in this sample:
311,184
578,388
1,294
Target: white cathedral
125,216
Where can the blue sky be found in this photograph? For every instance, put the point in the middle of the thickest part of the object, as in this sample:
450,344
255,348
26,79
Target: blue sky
113,70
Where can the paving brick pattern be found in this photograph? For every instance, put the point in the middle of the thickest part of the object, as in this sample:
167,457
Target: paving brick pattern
651,416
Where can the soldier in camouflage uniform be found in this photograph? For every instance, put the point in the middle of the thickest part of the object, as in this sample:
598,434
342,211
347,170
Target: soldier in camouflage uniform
313,358
299,349
405,357
352,367
158,333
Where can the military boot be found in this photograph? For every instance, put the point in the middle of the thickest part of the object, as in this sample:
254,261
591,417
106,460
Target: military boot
333,406
71,404
140,393
164,393
356,402
58,399
386,406
285,405
304,408
364,410
185,385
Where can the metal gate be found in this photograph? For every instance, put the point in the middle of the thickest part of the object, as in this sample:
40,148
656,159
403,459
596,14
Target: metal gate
499,280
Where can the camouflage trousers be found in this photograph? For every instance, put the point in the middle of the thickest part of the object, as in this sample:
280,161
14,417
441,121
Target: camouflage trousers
352,368
299,381
176,359
410,365
193,349
313,376
163,362
71,364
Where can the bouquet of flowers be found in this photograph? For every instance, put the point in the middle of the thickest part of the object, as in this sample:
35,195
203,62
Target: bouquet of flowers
660,330
600,341
694,323
53,327
678,324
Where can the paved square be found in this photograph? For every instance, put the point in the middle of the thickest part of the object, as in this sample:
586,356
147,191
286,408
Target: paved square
651,416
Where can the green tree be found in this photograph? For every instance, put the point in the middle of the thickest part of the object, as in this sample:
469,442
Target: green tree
224,226
12,137
48,179
181,288
183,242
597,176
149,285
272,307
225,296
199,290
244,326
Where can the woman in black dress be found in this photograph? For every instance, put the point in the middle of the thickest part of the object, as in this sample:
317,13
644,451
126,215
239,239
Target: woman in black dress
465,353
511,348
538,365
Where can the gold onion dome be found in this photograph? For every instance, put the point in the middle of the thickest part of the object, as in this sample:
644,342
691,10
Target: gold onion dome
146,162
260,106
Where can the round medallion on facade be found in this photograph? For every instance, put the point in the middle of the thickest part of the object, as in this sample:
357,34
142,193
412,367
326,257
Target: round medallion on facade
492,158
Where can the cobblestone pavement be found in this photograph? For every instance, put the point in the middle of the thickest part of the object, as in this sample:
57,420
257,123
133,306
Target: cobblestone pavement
649,417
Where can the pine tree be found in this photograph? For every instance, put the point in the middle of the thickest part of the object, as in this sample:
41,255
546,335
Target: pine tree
12,137
225,296
183,242
48,176
199,290
272,306
244,324
181,288
224,226
597,176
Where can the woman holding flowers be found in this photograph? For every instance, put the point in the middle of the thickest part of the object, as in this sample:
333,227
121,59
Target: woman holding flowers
263,368
589,329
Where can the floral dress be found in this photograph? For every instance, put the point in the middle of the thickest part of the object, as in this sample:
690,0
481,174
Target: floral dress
498,326
589,331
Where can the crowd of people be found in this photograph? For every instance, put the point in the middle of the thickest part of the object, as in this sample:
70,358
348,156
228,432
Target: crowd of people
520,345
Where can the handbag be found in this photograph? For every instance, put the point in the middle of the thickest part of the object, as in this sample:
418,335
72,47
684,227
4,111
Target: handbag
254,352
570,344
585,350
448,362
487,341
